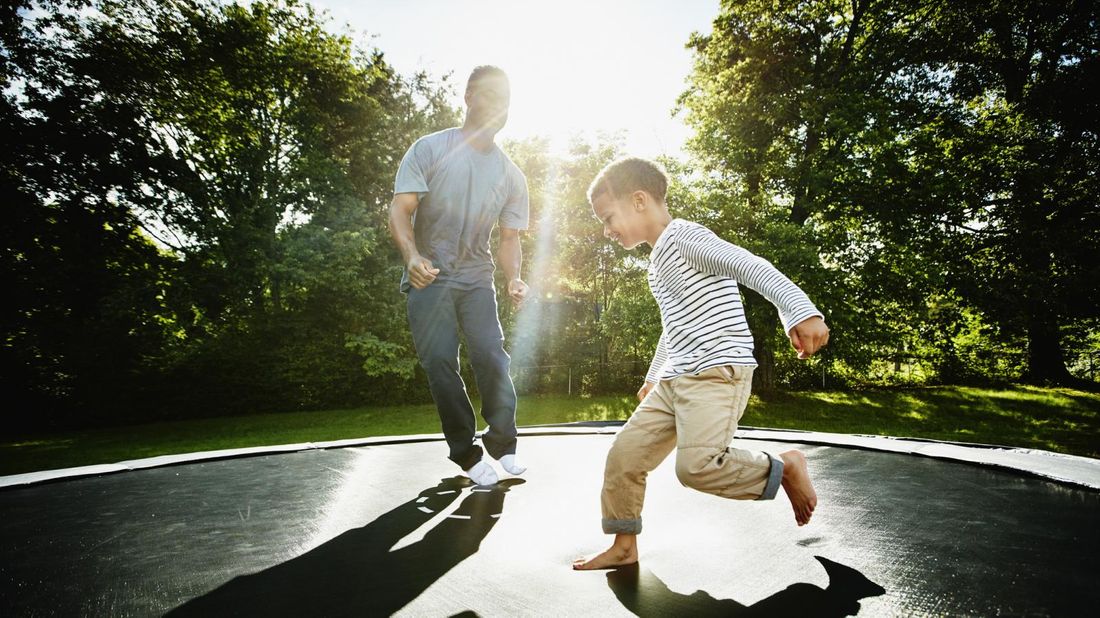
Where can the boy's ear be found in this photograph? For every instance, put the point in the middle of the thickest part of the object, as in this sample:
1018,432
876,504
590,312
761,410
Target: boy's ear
638,199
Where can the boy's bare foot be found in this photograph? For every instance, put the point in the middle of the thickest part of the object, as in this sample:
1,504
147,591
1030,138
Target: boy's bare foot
622,552
796,482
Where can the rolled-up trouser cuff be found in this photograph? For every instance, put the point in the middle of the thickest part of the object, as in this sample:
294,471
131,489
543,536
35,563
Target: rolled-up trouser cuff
775,477
622,526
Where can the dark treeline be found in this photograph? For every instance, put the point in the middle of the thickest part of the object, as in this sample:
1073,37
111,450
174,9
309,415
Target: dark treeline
196,195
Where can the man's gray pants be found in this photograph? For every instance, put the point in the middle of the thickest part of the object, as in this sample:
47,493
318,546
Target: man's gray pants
437,314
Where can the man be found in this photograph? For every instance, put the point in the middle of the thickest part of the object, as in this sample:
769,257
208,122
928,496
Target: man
452,188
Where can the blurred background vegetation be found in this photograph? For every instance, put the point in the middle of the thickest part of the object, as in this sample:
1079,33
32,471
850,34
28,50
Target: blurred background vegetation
196,192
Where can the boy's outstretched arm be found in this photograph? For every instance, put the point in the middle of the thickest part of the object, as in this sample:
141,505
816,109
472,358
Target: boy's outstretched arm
809,336
803,323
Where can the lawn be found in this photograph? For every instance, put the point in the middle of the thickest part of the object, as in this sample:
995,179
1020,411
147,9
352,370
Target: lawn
1061,420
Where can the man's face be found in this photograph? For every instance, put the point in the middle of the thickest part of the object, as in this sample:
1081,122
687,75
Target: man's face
621,221
487,101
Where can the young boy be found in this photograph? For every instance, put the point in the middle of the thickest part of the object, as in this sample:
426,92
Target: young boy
701,374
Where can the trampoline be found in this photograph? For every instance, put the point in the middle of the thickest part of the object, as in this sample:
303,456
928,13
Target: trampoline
383,526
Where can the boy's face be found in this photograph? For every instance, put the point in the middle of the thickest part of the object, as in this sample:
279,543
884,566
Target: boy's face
622,222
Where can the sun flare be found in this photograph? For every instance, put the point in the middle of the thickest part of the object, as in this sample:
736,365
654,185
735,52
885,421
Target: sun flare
577,68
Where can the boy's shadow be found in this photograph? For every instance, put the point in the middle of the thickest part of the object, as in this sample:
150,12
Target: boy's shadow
356,573
644,594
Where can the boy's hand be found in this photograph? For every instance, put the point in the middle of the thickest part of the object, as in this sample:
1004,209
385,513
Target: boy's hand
644,390
421,273
517,291
809,336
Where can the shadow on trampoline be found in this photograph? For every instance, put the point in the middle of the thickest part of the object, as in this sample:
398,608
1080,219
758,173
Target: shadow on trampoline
342,531
644,594
356,573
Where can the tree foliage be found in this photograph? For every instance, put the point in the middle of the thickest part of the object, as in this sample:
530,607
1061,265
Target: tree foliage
912,152
197,196
212,179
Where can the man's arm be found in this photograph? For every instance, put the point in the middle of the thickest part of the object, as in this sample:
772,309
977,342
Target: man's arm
510,258
421,273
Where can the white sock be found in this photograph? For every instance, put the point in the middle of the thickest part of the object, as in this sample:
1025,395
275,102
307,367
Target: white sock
482,474
511,466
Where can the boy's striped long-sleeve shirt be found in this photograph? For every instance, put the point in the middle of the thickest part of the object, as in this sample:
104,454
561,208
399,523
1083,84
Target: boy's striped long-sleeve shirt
693,275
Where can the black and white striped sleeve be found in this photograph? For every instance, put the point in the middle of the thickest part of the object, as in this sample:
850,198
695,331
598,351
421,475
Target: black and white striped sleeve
659,358
708,253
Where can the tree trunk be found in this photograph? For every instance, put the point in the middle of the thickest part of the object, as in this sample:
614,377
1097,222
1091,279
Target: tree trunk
763,379
1045,361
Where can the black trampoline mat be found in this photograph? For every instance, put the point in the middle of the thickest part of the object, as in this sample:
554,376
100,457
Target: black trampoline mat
375,530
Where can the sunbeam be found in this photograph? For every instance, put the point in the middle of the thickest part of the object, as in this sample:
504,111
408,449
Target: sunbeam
526,348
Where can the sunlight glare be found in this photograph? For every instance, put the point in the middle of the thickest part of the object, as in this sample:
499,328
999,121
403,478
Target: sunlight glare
529,318
578,68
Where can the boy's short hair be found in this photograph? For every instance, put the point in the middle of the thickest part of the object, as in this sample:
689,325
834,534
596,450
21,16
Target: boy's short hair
483,71
627,175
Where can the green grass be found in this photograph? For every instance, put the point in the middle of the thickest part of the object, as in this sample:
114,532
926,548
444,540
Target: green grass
1054,419
1061,420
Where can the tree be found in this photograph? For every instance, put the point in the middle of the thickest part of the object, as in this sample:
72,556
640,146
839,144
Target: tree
907,147
607,282
1022,146
281,140
86,291
200,192
788,101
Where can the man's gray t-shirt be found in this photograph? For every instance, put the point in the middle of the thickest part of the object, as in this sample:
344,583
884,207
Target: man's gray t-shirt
463,193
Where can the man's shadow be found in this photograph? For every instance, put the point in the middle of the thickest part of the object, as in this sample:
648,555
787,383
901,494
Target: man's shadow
644,594
356,574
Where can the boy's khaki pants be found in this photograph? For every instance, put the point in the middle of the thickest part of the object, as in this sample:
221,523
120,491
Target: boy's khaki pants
698,415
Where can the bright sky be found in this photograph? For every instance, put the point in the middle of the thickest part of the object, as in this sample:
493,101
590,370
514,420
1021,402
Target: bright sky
576,66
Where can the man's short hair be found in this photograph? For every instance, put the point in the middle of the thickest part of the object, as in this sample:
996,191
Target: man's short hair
483,71
627,175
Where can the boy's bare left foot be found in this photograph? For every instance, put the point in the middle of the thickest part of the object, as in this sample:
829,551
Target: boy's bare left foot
796,482
621,553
